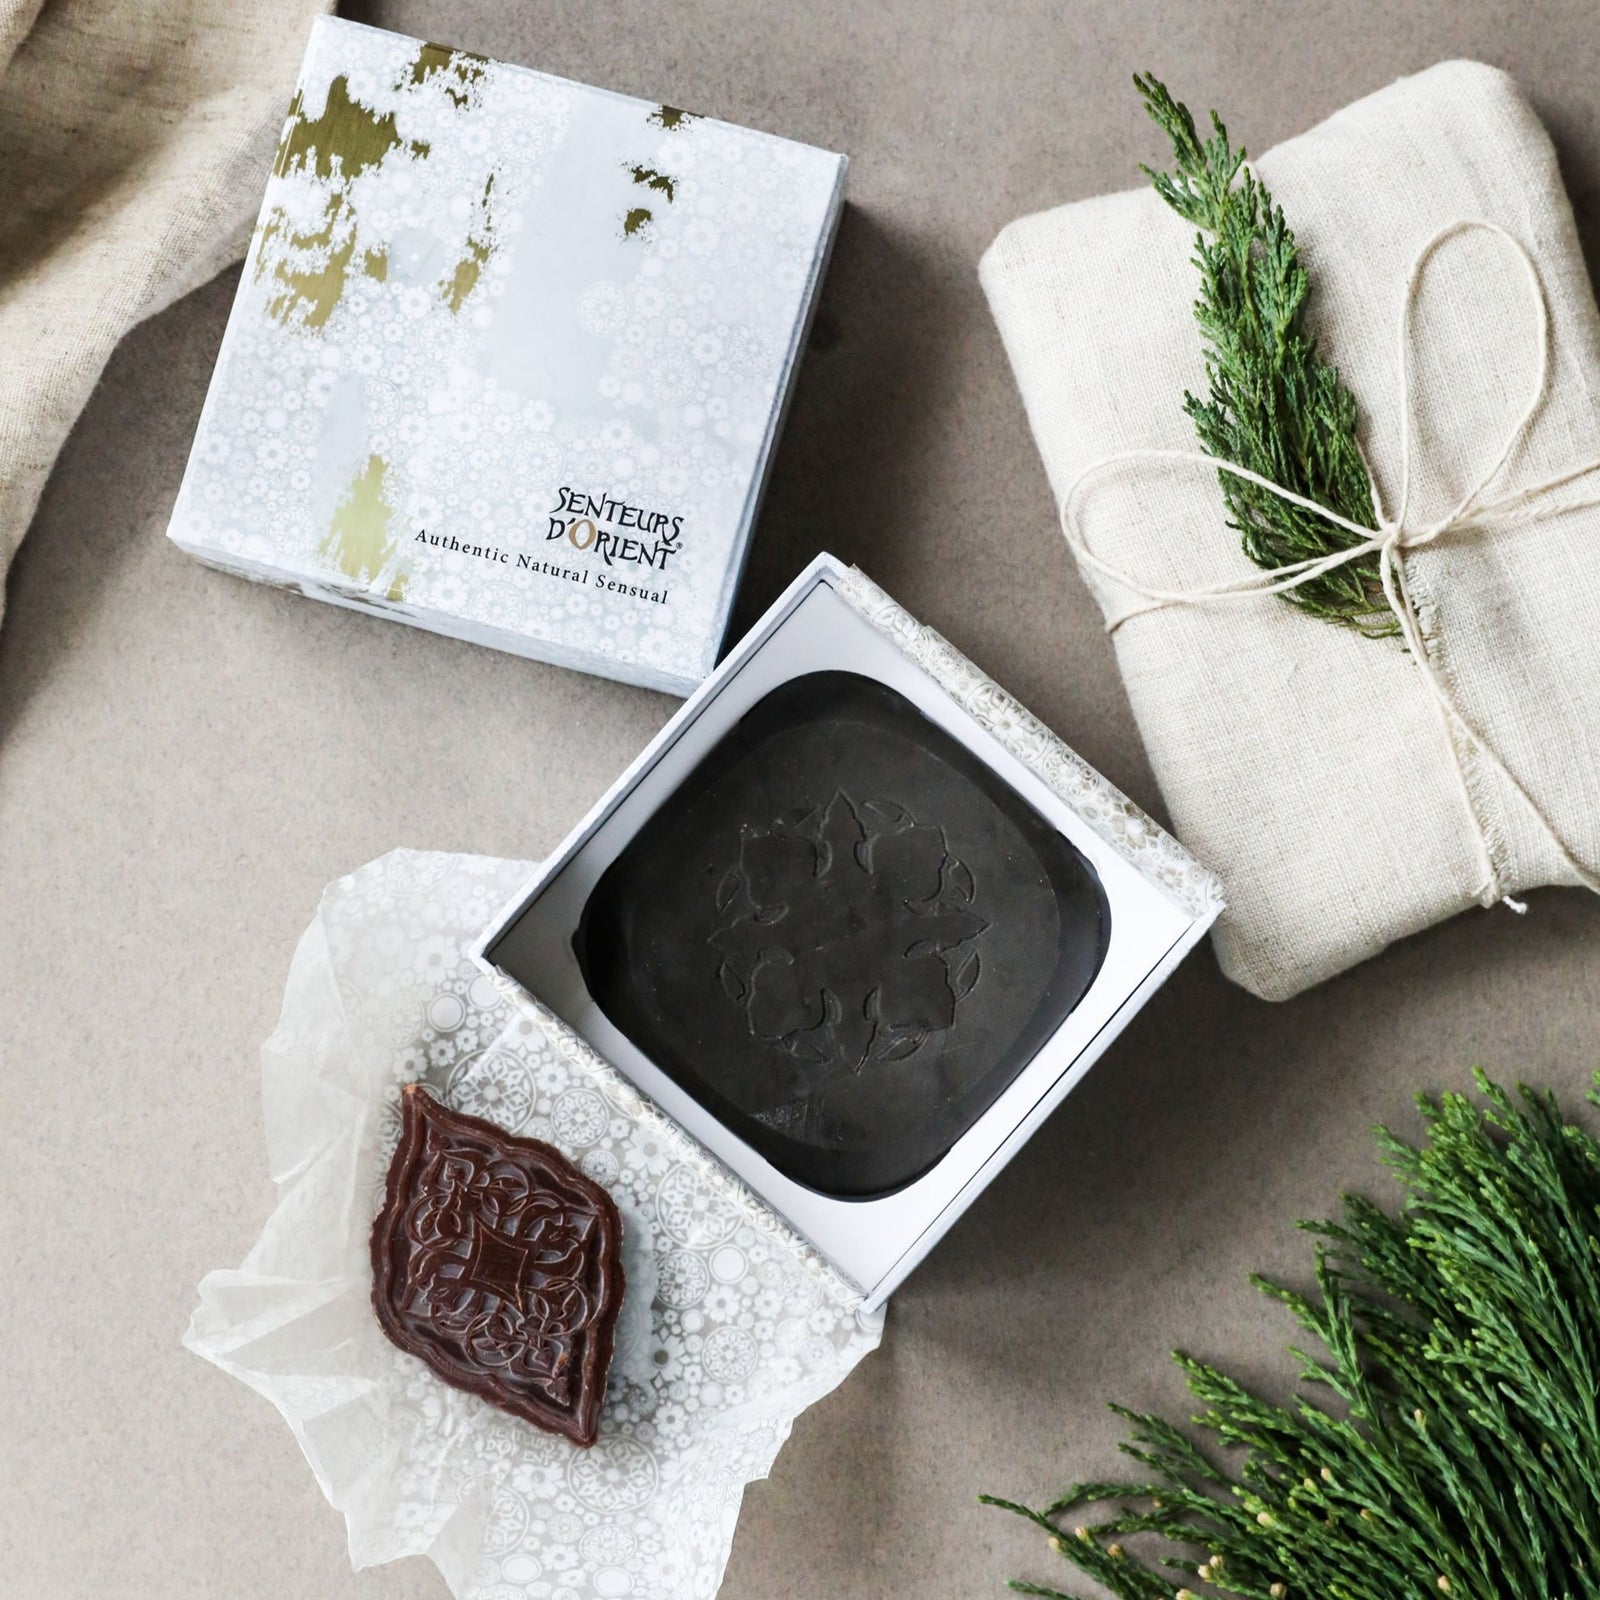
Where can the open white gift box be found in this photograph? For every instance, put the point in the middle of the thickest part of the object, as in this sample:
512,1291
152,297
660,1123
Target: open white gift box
856,921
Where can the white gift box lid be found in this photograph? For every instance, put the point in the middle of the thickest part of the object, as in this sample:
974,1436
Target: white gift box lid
1161,903
509,356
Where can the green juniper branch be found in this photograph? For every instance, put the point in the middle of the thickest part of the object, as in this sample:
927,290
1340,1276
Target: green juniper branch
1460,1341
1275,405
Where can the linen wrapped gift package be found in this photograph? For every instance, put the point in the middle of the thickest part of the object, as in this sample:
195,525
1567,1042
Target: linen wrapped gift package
1349,790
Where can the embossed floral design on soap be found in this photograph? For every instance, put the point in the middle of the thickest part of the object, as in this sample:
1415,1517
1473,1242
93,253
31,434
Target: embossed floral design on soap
497,1262
844,934
814,899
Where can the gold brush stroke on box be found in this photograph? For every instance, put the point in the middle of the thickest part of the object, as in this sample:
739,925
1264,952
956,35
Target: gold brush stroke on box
360,539
480,247
310,268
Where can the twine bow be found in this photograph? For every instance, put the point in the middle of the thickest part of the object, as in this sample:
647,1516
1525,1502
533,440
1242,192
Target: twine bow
1393,536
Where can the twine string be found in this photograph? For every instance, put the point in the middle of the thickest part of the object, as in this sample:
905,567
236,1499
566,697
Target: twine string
1389,542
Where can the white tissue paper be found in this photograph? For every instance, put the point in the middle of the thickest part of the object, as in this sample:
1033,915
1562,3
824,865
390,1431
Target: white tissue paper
730,1328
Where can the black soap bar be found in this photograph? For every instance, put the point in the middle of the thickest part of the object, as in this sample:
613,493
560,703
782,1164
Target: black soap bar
843,934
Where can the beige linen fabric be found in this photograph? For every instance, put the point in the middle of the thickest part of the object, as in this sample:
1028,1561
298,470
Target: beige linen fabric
1305,764
135,142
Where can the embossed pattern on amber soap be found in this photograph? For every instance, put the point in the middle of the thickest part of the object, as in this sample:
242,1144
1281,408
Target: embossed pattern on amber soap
497,1262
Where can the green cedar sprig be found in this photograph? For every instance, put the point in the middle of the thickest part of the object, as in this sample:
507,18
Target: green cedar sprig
1275,405
1460,1453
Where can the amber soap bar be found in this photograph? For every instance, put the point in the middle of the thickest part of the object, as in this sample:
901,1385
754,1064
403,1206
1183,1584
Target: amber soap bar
497,1262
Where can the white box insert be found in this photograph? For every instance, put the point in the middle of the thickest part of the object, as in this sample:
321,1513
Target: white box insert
1160,901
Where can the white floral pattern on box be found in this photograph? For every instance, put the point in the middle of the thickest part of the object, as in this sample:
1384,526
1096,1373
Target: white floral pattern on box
731,1326
473,286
